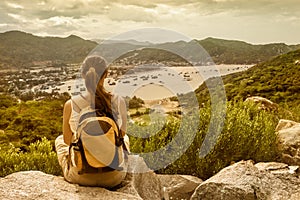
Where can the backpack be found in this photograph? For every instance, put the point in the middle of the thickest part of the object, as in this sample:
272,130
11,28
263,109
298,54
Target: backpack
97,145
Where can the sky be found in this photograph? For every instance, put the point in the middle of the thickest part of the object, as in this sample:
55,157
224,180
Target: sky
253,21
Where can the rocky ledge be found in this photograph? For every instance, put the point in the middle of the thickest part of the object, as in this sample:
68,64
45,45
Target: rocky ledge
242,180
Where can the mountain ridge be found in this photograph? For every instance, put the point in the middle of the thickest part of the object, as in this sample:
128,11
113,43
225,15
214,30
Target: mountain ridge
20,49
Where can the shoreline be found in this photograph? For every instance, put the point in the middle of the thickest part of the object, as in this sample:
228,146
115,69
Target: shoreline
165,82
168,82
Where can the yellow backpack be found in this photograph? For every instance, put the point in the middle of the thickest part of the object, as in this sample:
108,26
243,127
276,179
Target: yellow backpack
97,145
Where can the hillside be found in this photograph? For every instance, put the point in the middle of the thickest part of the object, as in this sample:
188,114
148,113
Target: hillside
20,49
277,80
221,51
238,52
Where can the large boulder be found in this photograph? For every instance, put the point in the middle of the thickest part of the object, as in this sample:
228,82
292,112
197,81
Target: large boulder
264,104
288,134
38,185
246,181
140,183
179,186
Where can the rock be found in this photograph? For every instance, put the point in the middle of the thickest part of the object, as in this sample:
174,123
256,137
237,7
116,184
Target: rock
284,124
278,168
265,104
288,133
143,185
179,186
140,183
38,185
244,180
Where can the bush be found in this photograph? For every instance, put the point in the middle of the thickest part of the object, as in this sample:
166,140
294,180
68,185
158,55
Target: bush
248,133
135,102
40,157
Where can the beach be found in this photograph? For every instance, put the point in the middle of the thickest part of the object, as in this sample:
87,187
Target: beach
167,81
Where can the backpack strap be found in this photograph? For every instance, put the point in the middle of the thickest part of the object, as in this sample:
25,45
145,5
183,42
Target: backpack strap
79,102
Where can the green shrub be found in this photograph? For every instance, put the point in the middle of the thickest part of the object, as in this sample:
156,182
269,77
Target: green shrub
40,157
27,122
135,102
248,133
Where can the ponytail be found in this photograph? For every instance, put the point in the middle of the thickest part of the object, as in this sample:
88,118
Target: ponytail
91,80
94,69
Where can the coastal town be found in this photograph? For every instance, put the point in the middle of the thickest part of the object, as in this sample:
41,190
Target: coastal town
37,82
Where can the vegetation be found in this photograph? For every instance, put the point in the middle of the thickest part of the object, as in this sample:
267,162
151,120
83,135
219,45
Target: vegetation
277,80
135,102
19,49
27,134
248,133
30,128
238,52
40,156
27,122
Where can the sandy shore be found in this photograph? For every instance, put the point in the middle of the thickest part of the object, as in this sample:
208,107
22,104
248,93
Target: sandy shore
170,81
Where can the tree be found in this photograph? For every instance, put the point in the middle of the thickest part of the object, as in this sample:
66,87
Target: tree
136,102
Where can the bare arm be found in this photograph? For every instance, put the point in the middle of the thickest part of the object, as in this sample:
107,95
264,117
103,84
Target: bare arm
67,133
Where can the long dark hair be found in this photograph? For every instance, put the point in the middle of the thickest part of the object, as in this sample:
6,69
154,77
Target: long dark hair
94,71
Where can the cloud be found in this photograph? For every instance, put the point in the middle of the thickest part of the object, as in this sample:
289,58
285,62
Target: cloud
120,12
258,7
238,19
15,6
138,10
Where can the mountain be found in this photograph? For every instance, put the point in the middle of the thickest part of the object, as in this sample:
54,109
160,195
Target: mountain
220,51
277,79
19,50
239,52
131,41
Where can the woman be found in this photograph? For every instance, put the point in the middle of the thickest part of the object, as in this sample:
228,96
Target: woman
94,71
